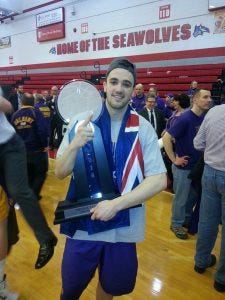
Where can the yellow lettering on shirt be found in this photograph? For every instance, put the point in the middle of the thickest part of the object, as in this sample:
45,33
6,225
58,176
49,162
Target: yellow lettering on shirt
23,121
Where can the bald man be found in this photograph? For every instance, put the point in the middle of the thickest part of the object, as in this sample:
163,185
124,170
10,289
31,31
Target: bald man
138,101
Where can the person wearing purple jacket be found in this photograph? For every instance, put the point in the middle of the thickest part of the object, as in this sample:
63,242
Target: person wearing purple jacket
30,124
138,101
184,158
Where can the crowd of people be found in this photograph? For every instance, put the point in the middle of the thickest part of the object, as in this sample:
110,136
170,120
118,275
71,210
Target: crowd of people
131,123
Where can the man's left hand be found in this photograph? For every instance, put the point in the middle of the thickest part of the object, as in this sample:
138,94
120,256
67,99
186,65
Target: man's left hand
104,210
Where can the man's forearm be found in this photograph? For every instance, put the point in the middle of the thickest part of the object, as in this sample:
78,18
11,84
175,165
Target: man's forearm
168,146
65,163
148,188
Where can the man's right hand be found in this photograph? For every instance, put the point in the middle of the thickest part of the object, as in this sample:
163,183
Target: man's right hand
181,161
84,133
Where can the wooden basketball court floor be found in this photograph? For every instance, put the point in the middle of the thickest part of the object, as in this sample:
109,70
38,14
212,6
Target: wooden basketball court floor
165,262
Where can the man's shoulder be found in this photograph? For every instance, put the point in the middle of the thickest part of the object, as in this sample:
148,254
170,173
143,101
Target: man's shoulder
181,123
158,111
21,113
135,97
185,116
143,110
13,96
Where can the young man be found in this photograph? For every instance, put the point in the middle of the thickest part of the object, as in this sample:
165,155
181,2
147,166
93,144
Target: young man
14,169
138,173
184,158
15,98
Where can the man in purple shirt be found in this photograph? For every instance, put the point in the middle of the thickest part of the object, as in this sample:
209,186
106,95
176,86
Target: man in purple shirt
138,101
184,158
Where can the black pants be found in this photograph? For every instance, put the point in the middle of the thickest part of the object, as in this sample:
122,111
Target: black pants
37,166
56,128
13,166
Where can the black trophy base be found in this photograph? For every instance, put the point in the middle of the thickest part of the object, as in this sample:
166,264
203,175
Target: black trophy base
67,211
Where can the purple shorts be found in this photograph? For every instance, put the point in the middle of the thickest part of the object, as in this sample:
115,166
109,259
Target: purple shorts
116,262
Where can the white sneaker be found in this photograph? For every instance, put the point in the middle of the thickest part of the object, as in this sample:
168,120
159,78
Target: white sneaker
5,294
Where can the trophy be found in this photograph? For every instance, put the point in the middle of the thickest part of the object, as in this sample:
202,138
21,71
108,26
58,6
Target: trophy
92,179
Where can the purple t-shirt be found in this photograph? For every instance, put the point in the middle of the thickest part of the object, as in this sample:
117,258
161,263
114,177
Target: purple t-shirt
184,130
138,103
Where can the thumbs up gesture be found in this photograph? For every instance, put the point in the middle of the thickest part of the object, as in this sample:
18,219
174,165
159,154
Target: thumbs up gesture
84,133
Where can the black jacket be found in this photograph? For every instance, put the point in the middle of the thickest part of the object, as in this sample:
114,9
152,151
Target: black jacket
160,119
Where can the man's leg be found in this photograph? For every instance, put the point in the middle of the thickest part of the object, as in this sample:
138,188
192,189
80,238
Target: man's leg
117,269
181,187
39,162
220,274
3,247
52,131
101,294
4,292
210,216
13,164
80,260
193,198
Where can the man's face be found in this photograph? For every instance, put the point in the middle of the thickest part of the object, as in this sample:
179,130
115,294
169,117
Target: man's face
150,103
20,89
44,94
203,100
54,91
169,101
139,90
194,85
152,91
118,87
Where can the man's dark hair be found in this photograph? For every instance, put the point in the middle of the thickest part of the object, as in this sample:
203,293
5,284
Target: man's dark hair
122,63
18,84
183,99
27,99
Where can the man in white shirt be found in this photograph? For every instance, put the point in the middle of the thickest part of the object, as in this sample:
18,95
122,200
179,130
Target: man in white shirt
112,250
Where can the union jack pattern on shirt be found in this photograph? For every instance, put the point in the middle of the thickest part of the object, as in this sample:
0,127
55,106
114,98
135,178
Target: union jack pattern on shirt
134,166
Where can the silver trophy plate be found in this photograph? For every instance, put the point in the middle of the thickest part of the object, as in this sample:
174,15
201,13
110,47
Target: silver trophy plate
77,99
